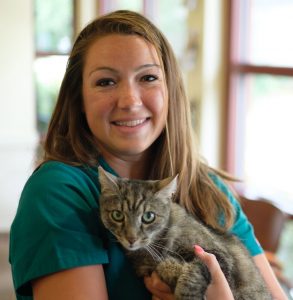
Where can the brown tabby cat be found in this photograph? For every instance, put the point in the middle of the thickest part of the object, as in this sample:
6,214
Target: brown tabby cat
159,235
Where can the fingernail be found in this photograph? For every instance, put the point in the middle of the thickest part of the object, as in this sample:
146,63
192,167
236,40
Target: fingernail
198,249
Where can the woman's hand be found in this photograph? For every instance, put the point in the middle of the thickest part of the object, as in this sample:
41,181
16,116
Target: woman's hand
218,288
158,288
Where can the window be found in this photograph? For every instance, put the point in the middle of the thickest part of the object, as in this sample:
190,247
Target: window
260,124
54,31
164,15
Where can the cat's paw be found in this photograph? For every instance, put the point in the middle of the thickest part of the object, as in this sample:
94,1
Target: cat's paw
170,270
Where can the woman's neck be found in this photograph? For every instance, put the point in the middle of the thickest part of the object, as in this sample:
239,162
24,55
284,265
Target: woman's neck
133,167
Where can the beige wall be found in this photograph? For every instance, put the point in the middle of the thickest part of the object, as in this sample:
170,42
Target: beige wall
17,105
86,11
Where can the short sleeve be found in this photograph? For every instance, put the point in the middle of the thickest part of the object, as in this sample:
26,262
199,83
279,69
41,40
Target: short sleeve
56,226
242,228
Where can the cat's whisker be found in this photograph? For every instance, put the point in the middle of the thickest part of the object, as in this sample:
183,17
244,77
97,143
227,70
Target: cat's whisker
151,252
158,255
168,250
155,253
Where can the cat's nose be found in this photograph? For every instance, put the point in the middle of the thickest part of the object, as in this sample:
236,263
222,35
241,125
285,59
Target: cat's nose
131,240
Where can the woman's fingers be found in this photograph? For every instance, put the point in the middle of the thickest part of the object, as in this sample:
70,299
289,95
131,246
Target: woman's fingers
154,282
158,288
219,287
210,261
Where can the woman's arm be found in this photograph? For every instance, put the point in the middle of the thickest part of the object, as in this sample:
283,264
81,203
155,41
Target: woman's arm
82,283
269,277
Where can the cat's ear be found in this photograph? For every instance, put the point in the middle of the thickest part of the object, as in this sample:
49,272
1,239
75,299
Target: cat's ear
167,187
108,181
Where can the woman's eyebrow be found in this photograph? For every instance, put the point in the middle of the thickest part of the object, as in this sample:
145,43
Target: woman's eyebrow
147,66
105,68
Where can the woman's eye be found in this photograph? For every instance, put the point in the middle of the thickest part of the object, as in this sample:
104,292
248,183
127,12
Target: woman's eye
149,78
105,82
148,217
117,215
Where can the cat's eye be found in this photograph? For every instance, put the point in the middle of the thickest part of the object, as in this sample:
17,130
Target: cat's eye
148,217
117,215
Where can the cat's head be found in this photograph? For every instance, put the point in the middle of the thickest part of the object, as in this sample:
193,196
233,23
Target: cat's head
135,211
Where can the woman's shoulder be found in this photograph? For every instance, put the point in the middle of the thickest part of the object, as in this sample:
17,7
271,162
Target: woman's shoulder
55,172
56,182
61,169
223,187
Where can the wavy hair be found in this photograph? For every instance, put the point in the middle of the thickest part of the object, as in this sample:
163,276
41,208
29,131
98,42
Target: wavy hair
70,140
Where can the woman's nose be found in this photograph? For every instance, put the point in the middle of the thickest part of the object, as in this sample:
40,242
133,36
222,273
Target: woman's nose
129,97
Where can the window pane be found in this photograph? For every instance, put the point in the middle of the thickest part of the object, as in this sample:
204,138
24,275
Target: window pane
49,72
172,20
268,142
134,5
270,27
54,27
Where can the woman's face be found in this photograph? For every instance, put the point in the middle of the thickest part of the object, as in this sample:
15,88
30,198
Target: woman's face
124,94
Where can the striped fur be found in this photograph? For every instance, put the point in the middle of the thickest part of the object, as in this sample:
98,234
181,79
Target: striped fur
158,235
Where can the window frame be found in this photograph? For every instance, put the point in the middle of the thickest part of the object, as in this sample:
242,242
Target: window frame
46,54
233,160
74,25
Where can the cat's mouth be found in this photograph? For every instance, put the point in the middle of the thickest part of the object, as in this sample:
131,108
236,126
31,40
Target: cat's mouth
132,245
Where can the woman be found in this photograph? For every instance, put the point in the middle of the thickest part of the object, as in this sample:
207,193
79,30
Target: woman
121,105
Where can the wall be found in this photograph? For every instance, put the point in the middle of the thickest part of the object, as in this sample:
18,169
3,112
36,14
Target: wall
86,11
18,135
207,80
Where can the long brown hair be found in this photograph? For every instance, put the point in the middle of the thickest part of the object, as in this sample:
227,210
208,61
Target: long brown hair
70,140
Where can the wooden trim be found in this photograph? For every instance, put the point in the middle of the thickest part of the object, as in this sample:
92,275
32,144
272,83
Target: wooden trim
75,22
247,68
45,54
225,103
231,87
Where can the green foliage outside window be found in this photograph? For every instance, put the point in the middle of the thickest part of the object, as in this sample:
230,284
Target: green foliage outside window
54,30
54,25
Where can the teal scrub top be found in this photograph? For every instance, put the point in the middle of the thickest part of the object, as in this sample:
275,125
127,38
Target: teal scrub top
57,227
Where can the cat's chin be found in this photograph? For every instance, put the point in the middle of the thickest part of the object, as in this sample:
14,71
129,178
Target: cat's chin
133,247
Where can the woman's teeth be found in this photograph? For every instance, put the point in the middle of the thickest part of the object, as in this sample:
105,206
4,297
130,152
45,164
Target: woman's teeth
130,123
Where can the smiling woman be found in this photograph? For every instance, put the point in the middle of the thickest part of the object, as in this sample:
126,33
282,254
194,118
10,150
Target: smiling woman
125,97
122,106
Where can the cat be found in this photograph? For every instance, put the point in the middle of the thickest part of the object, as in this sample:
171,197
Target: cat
158,235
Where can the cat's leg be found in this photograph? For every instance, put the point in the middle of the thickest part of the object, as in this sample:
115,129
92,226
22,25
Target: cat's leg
195,276
193,281
188,280
169,270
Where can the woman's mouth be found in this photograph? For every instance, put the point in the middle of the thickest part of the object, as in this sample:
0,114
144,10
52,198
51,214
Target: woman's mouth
131,123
